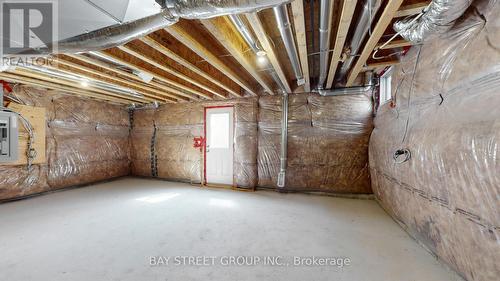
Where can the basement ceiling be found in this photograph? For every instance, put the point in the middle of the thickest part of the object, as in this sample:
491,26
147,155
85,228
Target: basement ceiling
209,59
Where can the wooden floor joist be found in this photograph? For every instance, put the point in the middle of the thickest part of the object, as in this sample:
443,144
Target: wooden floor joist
300,35
182,61
255,22
184,91
169,70
384,21
347,13
221,28
16,78
412,9
105,77
398,43
187,39
165,91
382,64
52,79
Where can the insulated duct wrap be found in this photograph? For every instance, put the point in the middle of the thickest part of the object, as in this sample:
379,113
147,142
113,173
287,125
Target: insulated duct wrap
203,9
439,17
120,34
447,194
87,141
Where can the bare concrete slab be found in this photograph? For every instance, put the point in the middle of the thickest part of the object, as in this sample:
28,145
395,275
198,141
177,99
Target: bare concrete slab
129,228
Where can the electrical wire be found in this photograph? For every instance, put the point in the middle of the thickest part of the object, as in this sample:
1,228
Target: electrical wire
31,152
374,56
410,93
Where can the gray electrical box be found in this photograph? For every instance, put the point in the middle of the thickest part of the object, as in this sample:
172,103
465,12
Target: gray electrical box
9,136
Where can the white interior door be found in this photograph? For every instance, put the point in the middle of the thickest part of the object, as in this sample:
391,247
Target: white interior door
219,148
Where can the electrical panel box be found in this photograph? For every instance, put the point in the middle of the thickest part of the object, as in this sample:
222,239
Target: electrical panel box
9,137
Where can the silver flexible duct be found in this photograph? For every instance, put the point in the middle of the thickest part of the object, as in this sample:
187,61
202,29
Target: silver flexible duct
120,34
111,36
369,85
246,34
256,48
284,26
325,22
78,79
204,9
284,143
363,24
438,17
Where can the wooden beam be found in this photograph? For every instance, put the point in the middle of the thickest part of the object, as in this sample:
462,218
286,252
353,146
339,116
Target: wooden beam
348,8
397,43
221,28
412,9
385,19
165,91
382,64
300,35
155,75
144,90
46,77
169,70
182,61
258,28
44,84
187,39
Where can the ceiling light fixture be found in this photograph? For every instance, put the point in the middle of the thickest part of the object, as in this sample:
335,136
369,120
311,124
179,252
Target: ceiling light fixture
261,53
262,60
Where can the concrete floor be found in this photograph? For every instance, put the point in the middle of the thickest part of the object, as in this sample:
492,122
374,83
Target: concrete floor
110,231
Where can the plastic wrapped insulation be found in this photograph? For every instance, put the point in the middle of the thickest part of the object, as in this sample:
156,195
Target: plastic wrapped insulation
446,114
87,141
438,17
327,143
162,141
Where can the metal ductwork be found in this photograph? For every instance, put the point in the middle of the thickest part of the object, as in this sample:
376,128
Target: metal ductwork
204,9
284,143
77,79
370,83
325,22
256,48
284,26
113,36
246,34
120,34
438,17
363,24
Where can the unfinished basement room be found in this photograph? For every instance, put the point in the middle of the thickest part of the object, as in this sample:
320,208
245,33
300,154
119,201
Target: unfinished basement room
179,140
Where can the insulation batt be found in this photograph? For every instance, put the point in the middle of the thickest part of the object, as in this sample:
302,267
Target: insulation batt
176,126
328,142
447,194
87,141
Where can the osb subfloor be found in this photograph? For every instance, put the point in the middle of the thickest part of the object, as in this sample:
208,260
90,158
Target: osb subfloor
110,231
